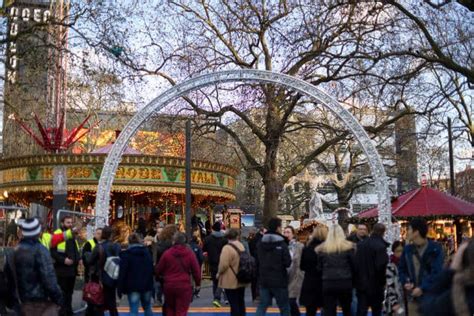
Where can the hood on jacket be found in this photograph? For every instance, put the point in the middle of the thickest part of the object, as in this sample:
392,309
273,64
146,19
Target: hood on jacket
272,237
137,249
272,240
217,234
179,250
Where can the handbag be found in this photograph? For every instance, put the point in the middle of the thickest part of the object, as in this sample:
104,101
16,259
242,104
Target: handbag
93,292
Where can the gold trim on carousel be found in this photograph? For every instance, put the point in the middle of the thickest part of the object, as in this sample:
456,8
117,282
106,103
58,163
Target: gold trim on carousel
120,188
99,159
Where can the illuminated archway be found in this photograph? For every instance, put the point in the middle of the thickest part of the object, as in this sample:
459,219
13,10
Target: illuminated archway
261,76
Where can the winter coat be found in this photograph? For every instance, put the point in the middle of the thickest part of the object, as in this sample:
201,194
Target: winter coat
438,301
229,266
253,243
371,265
213,245
99,256
136,270
72,252
337,270
198,252
176,266
35,272
312,288
431,265
295,275
161,247
274,258
393,291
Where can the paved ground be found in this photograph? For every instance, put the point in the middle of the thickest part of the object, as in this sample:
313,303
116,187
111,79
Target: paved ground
200,306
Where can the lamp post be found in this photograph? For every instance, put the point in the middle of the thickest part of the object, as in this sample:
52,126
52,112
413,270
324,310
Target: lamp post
188,180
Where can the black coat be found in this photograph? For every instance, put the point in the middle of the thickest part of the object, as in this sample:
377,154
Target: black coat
161,247
35,273
371,265
312,289
72,252
438,301
213,245
273,257
136,270
337,270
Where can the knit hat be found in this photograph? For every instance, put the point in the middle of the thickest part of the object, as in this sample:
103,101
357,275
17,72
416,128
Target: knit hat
30,227
217,226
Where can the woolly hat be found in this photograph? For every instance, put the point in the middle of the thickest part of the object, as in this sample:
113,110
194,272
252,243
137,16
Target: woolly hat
30,227
217,226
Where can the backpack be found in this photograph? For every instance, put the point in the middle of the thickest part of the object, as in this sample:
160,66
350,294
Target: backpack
112,266
247,267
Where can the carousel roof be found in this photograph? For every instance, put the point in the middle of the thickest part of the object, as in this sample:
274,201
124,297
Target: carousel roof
107,148
425,202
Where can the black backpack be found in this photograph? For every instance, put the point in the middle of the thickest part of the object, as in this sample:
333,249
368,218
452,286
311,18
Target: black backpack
247,267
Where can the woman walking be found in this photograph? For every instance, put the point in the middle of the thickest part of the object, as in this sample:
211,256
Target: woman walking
227,273
394,301
295,275
99,256
136,276
312,289
337,267
176,266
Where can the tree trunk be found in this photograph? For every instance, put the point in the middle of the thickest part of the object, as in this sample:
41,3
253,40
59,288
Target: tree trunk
271,197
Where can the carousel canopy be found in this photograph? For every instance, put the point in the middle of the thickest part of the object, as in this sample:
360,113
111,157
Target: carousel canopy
426,202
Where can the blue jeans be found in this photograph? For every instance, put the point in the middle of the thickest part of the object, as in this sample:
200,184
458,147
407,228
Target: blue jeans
281,298
134,299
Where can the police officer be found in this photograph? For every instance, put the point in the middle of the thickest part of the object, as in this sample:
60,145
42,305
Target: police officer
66,259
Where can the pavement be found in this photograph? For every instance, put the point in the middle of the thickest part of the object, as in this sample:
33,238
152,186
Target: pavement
200,306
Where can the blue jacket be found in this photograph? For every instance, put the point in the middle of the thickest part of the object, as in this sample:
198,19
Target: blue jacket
431,265
136,270
35,272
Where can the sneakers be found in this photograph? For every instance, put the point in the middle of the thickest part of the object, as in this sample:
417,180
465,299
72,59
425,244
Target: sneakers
216,303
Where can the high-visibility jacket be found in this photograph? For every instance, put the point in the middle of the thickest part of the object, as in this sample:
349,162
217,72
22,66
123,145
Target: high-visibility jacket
92,243
60,243
45,240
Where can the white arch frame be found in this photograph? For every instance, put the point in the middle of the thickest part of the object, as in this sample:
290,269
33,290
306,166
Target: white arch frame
244,75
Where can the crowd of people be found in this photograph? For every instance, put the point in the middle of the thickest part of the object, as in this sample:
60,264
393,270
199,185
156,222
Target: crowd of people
163,267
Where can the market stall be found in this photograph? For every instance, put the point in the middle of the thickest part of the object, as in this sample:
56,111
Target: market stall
450,219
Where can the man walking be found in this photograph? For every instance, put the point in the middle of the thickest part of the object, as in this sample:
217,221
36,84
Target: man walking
30,273
371,264
420,264
66,259
213,245
274,259
357,237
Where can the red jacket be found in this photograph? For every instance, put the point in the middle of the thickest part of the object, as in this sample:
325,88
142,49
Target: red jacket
176,265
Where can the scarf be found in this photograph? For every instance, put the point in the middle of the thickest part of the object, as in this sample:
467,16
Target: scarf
395,260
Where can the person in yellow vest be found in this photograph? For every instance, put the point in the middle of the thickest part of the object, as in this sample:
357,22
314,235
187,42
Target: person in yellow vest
66,260
87,251
52,240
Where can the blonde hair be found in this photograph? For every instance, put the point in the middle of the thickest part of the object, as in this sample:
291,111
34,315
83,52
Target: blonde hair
336,241
320,233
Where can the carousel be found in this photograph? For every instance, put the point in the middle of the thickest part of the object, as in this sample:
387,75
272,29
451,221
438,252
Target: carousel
146,186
